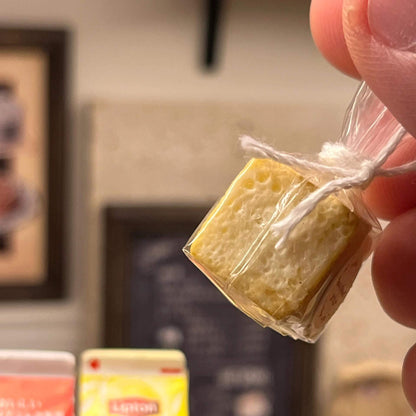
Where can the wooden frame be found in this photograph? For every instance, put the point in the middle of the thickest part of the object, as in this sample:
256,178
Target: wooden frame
52,47
123,224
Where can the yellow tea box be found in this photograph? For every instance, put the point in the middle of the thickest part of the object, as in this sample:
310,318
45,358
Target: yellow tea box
129,382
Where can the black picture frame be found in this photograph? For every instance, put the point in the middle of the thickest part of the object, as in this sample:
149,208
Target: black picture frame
54,45
127,225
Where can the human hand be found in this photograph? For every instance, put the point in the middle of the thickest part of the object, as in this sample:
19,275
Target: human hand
376,40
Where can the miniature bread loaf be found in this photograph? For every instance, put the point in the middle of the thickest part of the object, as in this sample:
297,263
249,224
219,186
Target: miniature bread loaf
235,246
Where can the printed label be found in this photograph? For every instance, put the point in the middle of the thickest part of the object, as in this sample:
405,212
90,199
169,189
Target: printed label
141,395
36,396
133,407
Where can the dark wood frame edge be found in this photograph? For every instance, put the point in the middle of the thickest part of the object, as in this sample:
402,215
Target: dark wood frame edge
55,44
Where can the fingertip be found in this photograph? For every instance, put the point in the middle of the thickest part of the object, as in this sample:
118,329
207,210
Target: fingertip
389,71
394,269
409,377
390,197
327,32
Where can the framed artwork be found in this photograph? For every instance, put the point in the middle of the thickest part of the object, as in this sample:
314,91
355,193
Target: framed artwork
32,163
156,298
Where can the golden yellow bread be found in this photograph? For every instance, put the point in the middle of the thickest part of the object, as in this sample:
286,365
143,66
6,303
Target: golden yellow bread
235,246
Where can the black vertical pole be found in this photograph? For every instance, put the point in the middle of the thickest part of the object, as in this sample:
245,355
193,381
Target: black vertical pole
213,16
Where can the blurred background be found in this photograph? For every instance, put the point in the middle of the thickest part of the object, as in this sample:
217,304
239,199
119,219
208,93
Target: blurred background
156,95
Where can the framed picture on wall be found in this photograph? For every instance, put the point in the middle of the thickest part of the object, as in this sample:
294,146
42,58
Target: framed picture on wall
156,298
33,130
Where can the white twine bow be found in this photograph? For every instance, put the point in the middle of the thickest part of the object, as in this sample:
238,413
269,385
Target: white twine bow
349,168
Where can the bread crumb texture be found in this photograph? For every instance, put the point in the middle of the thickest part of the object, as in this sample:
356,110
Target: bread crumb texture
235,244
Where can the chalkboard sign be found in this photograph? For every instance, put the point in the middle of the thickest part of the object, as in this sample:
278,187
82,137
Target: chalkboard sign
156,298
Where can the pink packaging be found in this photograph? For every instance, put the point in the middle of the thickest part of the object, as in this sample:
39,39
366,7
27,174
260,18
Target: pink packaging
36,383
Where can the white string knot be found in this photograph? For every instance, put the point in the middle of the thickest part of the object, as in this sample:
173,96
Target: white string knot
337,154
346,168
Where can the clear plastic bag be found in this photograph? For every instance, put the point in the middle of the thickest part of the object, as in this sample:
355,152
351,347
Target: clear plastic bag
286,241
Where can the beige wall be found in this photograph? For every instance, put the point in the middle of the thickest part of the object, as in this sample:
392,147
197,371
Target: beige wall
141,50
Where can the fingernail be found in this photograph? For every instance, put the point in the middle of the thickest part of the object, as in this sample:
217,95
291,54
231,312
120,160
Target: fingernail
393,22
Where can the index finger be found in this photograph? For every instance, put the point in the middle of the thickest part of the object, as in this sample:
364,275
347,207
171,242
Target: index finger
328,35
387,197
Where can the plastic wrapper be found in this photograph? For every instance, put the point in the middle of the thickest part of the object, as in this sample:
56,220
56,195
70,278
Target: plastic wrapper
294,280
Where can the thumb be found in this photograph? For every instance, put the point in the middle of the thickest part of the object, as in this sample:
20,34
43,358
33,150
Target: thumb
381,39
